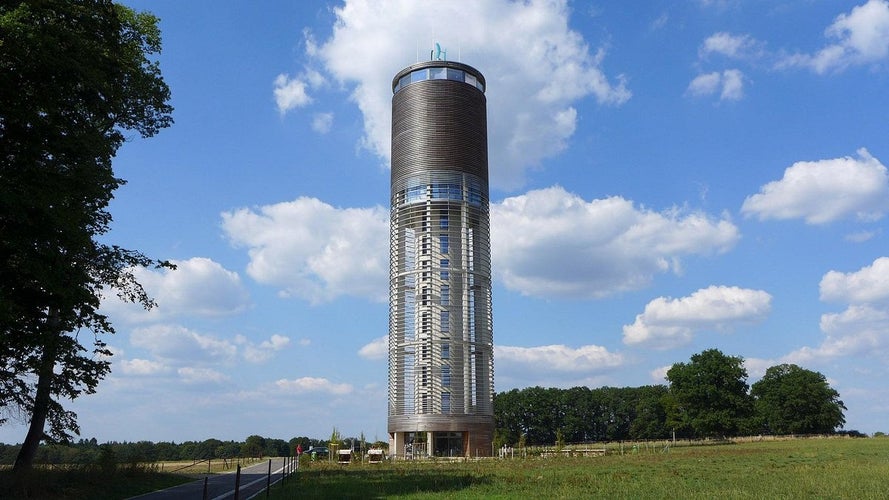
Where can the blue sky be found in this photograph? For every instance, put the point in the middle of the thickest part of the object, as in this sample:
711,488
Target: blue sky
667,177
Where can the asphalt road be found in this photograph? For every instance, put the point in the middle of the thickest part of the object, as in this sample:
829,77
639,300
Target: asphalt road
254,479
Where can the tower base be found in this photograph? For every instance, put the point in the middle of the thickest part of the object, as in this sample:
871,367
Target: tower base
441,436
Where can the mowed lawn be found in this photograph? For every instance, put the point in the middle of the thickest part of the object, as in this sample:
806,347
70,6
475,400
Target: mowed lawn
801,468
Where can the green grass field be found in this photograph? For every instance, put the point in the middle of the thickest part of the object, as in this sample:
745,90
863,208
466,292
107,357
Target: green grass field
804,468
801,468
127,480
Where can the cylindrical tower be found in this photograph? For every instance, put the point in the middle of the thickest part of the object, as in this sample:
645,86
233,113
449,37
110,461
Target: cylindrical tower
441,372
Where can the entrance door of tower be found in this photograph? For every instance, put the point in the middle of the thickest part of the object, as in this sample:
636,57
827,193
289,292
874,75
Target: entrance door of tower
448,444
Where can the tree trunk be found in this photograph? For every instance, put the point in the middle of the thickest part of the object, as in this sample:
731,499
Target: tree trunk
25,458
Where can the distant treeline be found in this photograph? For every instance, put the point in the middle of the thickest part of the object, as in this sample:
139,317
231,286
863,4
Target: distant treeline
707,397
89,451
580,414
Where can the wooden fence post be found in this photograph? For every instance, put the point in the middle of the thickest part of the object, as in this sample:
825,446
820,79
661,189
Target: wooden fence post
238,482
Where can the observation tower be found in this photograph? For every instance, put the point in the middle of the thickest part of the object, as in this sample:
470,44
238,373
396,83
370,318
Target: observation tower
441,372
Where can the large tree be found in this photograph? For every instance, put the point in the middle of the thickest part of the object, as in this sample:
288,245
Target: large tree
708,395
792,400
75,78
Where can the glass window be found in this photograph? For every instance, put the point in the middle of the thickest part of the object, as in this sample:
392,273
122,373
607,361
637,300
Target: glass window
471,79
447,191
415,193
446,402
445,295
419,75
475,195
455,74
445,320
445,351
406,79
444,268
438,73
443,243
443,222
446,376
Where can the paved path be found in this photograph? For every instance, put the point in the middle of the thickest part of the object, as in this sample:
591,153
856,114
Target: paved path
222,486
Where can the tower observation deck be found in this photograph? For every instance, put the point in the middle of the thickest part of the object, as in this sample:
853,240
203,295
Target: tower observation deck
441,375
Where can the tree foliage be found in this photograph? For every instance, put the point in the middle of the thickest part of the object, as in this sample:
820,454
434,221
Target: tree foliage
793,400
538,416
708,395
74,79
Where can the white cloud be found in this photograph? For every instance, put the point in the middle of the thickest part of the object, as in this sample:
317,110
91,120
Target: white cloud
863,328
756,367
192,375
556,358
705,84
198,286
859,330
313,384
556,244
732,46
732,85
290,93
265,350
550,242
322,122
314,251
659,374
861,37
140,367
824,191
729,85
667,323
181,344
868,285
861,236
536,67
377,349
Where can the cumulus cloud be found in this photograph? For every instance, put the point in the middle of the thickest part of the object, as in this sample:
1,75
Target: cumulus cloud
314,251
859,330
666,323
559,358
265,350
731,46
290,93
537,69
179,345
550,242
868,285
863,327
659,374
556,245
729,85
824,191
313,384
198,286
173,342
859,37
377,349
756,367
